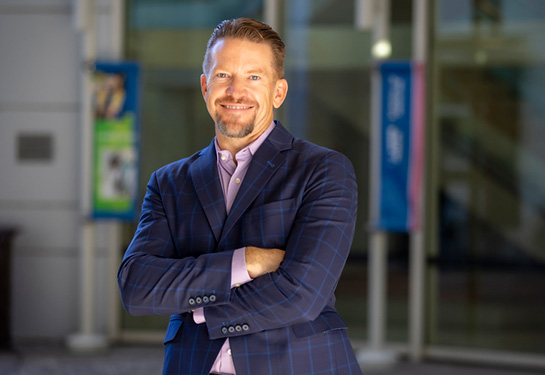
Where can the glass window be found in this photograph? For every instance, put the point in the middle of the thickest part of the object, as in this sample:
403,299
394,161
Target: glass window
490,114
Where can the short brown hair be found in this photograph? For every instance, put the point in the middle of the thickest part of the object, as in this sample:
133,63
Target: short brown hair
252,30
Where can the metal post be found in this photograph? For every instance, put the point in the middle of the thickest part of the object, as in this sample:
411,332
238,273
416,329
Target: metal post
376,355
86,338
417,248
363,14
271,13
114,257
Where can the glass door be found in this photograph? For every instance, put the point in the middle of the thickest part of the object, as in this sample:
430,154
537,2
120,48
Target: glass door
488,266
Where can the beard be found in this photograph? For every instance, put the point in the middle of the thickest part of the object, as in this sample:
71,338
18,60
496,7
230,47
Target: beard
231,125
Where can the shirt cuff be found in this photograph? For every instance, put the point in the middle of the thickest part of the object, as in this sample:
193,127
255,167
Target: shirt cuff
239,273
198,316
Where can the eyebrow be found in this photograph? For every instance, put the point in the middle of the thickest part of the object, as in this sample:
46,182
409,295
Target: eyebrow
256,71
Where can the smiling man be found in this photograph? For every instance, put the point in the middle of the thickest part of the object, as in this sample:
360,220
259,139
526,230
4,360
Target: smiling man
243,243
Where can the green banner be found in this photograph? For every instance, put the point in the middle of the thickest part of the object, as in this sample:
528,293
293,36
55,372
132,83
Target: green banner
116,146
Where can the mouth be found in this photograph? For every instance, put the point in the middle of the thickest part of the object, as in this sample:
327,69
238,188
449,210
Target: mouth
236,107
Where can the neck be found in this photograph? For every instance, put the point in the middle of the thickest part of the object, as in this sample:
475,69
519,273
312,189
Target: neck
234,145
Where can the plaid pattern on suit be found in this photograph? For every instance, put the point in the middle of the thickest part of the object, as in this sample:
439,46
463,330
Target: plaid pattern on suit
295,196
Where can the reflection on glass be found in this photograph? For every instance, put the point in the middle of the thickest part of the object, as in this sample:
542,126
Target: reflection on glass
491,256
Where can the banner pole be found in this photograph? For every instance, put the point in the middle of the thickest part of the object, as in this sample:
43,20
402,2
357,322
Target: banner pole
375,354
86,339
417,247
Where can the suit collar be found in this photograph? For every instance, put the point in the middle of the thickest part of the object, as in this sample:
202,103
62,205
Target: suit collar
266,161
204,174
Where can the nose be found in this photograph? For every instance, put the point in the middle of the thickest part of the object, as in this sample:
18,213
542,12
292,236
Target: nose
236,87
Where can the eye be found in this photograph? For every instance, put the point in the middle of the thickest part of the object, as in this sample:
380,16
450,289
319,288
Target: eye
254,77
222,75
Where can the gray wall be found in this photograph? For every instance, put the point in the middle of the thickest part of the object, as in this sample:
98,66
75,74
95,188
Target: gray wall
39,94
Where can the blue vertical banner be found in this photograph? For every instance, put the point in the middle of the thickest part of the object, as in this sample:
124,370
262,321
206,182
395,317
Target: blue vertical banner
116,140
401,102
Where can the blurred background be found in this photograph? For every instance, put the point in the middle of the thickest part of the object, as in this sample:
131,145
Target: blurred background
483,230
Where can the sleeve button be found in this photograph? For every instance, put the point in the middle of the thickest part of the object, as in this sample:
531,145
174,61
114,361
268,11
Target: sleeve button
238,328
212,298
191,301
245,327
224,330
231,329
205,299
198,300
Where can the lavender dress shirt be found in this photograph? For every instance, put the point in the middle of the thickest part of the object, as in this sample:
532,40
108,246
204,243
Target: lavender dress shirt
231,176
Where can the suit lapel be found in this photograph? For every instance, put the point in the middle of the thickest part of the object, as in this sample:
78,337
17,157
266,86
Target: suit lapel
266,161
204,174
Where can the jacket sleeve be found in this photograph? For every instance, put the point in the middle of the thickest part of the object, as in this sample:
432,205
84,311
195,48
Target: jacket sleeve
155,278
316,252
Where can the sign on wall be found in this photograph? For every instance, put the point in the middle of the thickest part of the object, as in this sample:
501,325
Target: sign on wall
116,140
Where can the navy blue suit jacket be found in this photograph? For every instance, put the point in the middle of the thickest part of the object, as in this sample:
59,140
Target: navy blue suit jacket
295,196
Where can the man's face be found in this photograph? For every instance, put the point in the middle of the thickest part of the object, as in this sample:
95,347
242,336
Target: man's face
240,88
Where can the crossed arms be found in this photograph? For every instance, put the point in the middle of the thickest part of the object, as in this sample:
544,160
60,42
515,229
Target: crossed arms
289,286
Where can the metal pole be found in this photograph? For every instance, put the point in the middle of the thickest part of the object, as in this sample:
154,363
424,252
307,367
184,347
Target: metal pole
86,338
376,355
271,14
363,14
417,248
114,244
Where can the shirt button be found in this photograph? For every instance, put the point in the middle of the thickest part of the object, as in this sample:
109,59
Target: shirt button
229,351
223,157
237,180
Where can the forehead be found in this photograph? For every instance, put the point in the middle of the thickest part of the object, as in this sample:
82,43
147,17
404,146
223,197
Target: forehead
241,51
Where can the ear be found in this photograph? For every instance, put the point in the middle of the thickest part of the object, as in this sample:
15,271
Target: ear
280,92
204,87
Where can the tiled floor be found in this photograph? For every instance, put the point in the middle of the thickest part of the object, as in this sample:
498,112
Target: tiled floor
53,359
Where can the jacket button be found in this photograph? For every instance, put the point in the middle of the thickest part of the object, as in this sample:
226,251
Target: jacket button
191,301
212,298
245,327
205,299
198,300
224,330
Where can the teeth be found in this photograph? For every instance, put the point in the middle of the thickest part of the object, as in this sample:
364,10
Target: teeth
235,107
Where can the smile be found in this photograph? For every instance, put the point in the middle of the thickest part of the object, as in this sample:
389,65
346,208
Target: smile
236,106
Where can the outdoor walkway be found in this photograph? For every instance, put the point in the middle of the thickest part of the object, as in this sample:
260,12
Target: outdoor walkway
147,360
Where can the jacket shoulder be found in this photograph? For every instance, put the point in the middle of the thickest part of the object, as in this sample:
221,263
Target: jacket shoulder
178,167
309,152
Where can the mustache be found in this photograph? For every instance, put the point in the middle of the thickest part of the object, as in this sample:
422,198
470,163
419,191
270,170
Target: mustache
231,100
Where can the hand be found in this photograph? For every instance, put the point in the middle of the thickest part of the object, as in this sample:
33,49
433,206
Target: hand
261,261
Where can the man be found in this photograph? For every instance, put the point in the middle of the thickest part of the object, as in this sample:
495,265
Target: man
243,242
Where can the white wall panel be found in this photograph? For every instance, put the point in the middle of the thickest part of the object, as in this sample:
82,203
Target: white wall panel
49,308
43,231
40,72
43,4
39,59
55,180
